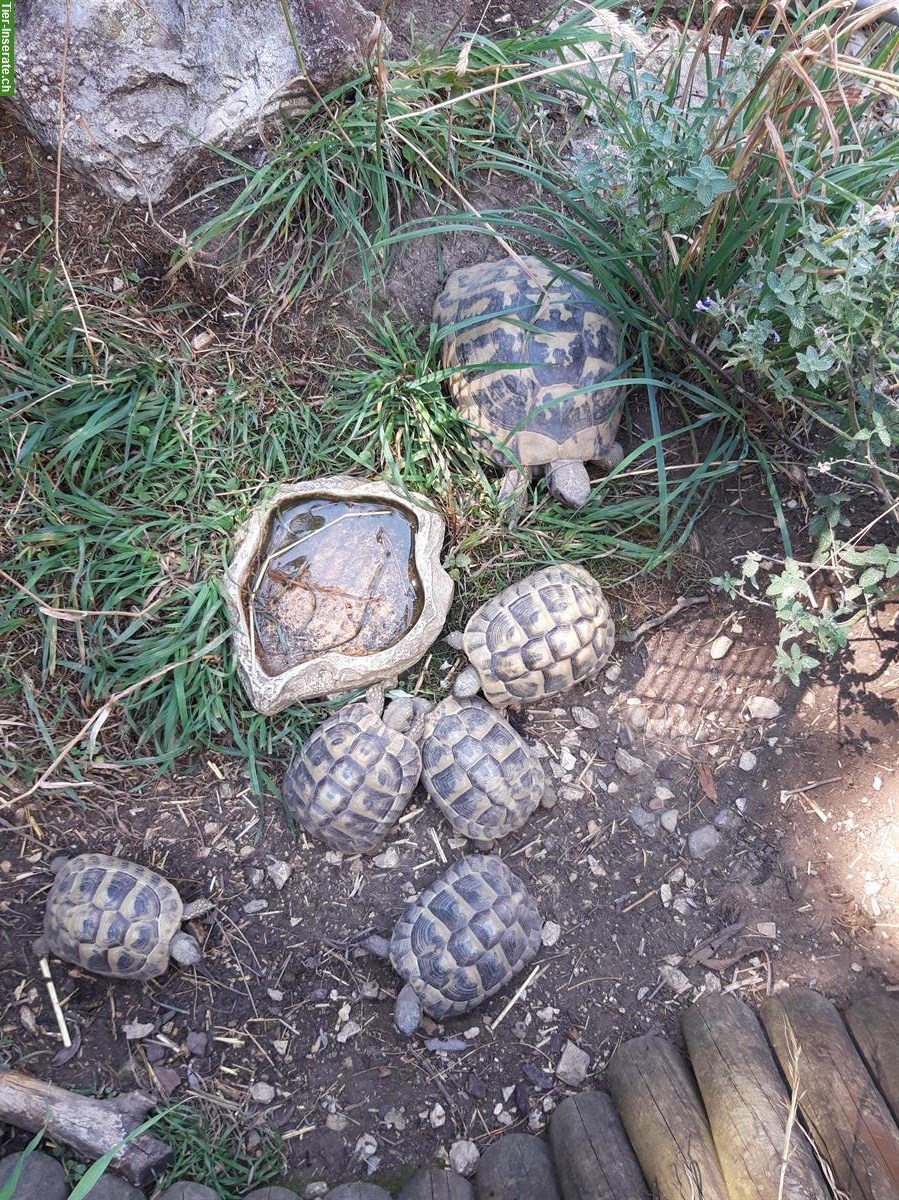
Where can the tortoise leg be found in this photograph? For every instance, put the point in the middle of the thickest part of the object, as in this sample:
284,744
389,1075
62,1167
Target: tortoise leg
611,457
549,799
513,493
568,481
407,1013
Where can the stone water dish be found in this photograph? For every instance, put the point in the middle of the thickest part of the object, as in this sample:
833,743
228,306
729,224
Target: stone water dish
335,584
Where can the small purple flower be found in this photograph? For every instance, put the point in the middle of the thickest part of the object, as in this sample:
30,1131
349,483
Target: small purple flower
775,336
704,306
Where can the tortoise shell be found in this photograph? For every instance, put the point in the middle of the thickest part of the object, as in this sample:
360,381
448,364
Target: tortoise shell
553,346
540,636
465,936
481,775
352,779
112,917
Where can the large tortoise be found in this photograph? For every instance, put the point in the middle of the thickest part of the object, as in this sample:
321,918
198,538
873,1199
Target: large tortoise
480,773
115,917
534,358
539,637
351,780
464,938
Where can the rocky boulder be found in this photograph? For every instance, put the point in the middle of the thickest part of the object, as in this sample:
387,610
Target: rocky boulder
148,85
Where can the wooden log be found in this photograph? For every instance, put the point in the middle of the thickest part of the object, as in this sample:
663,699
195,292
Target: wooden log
593,1158
90,1127
517,1167
763,1152
842,1109
660,1108
437,1185
874,1024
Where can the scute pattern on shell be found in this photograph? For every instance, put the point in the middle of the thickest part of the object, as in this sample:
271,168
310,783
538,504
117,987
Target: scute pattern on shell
466,936
481,775
352,779
540,636
112,917
551,408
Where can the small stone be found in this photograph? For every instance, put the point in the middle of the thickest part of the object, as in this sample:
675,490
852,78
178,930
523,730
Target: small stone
314,1191
656,805
646,822
336,1122
673,978
766,929
137,1029
262,1092
613,672
155,1052
279,872
41,1176
585,718
728,820
255,906
366,1146
668,820
606,749
683,905
663,793
550,934
473,1031
665,894
877,783
566,759
387,860
464,1157
629,763
395,1119
763,708
720,646
197,1043
118,285
348,1031
573,1066
437,1117
747,761
740,804
703,841
168,1079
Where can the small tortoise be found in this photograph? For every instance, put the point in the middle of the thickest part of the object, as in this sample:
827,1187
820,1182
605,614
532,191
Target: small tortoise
352,779
535,373
483,777
462,940
537,638
115,917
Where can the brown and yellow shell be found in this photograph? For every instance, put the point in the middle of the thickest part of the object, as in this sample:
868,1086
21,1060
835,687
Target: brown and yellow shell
531,372
540,636
466,936
479,772
352,779
112,917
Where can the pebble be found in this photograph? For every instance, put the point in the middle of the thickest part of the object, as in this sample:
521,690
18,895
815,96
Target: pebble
585,718
262,1092
279,872
41,1176
137,1029
763,708
637,717
437,1116
336,1122
573,1066
255,906
464,1157
673,978
349,1030
740,804
663,793
629,763
613,672
668,820
113,1187
728,820
720,646
550,934
747,761
566,759
703,841
646,822
313,1191
665,894
683,905
388,860
366,1146
197,1043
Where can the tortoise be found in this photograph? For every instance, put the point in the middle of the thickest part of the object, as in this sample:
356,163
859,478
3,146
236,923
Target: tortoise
353,777
535,375
464,938
118,918
537,638
480,773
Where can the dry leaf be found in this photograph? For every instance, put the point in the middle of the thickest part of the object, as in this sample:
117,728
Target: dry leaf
707,781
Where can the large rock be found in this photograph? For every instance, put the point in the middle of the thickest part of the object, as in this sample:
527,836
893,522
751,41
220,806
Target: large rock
42,1177
148,84
112,1187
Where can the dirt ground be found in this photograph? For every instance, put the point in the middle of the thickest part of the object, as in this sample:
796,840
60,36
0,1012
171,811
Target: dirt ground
288,1022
